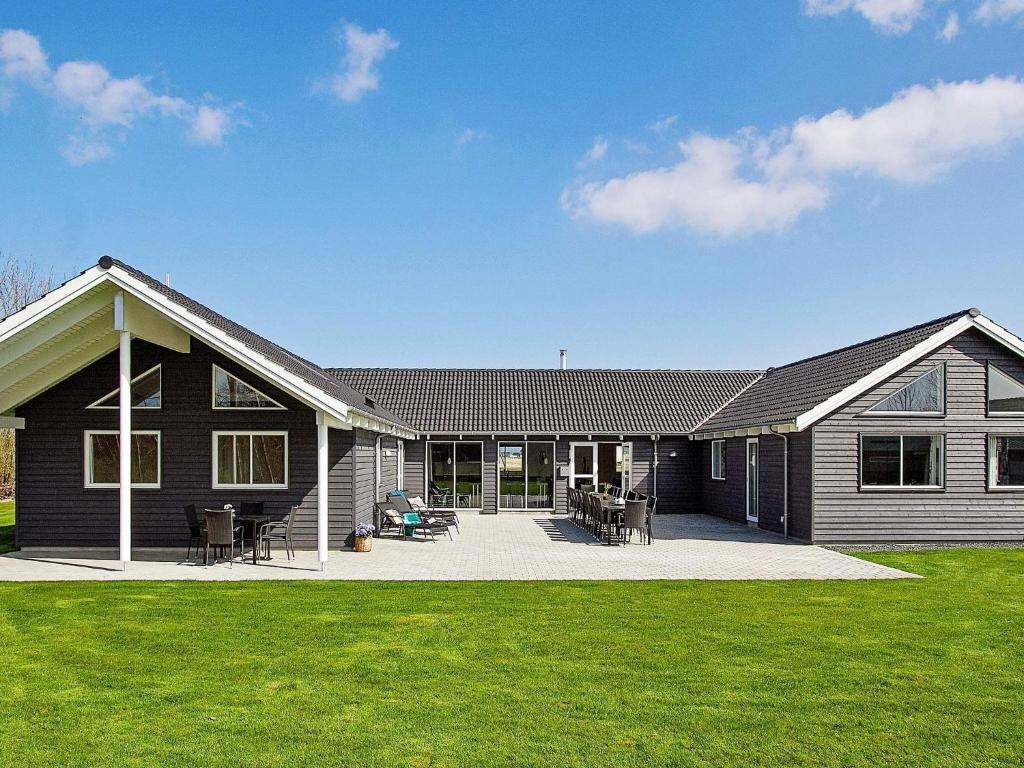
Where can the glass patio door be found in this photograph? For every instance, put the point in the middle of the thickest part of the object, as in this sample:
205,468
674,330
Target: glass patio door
583,464
752,479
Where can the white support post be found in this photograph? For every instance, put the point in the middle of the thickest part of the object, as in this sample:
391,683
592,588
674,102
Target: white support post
321,487
124,406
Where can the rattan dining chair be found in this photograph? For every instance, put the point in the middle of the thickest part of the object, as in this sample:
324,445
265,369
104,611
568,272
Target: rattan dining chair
196,530
222,532
634,518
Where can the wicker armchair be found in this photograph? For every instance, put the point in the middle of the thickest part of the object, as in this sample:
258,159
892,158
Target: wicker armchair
222,532
634,518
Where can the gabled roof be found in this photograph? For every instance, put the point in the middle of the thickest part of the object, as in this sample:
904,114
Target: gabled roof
803,392
282,367
549,401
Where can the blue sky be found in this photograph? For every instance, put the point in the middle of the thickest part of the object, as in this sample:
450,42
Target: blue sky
649,185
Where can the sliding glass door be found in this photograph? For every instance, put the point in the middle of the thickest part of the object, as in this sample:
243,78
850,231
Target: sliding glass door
454,475
526,476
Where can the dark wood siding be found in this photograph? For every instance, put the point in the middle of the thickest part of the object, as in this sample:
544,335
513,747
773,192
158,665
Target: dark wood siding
801,473
680,485
56,510
965,510
389,457
726,498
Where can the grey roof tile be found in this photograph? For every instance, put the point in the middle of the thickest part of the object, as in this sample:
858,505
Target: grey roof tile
549,401
791,390
309,372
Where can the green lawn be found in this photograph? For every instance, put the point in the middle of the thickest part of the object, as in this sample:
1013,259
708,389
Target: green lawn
905,673
6,526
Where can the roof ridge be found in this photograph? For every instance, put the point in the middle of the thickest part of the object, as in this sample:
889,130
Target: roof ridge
334,369
950,317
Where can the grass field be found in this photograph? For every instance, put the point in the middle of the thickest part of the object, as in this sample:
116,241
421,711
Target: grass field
6,526
923,672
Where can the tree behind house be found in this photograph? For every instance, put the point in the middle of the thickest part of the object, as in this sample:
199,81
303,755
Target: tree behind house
21,282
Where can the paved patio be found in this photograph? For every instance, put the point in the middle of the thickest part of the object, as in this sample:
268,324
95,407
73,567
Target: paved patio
506,547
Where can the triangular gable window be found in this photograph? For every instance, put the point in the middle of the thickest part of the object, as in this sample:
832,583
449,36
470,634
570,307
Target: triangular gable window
1005,393
229,392
145,392
925,394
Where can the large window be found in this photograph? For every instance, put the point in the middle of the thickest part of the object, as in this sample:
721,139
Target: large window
526,475
455,475
1005,393
145,392
250,459
231,393
901,461
718,459
924,395
1006,461
103,465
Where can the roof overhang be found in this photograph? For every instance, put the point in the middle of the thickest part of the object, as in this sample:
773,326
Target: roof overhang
938,339
73,326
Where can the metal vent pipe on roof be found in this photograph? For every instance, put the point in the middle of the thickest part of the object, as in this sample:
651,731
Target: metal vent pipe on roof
563,359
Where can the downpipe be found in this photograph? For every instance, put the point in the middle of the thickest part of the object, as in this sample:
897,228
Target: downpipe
785,480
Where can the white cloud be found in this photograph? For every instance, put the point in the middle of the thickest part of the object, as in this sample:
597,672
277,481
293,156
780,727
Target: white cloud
705,193
894,17
951,28
658,126
468,135
22,55
999,10
101,101
363,51
748,182
596,152
79,150
211,124
636,147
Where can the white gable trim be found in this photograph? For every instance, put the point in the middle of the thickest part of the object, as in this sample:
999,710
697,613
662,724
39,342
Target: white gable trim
912,355
341,413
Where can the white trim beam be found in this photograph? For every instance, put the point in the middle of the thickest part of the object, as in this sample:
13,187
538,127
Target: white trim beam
322,476
124,400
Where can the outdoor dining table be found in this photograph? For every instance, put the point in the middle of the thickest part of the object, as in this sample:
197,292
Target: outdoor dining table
253,523
609,509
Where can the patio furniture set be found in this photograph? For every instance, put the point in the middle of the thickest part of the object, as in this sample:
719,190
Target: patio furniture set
406,516
222,528
612,515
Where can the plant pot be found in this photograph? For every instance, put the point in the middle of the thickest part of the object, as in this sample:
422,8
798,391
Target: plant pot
364,543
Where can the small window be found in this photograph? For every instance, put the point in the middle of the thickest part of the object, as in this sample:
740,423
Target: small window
1005,393
901,461
718,459
231,393
250,459
1006,461
103,465
925,394
145,392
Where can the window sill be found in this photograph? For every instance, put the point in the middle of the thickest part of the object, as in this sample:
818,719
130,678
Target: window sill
250,487
718,479
117,487
1006,488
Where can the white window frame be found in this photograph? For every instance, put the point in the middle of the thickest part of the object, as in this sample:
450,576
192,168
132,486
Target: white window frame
96,405
988,394
213,394
87,473
902,488
526,474
913,414
248,433
992,485
426,472
721,459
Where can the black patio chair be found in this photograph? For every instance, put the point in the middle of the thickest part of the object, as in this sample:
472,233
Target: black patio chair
222,532
634,518
652,503
390,518
196,530
280,530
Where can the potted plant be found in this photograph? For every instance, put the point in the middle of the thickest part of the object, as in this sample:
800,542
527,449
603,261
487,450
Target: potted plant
364,537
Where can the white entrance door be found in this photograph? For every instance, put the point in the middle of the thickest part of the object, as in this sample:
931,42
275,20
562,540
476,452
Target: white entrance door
583,464
752,479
